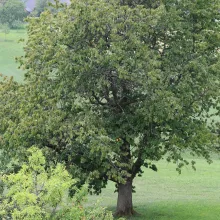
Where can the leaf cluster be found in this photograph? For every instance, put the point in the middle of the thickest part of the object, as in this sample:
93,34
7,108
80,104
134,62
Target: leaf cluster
39,193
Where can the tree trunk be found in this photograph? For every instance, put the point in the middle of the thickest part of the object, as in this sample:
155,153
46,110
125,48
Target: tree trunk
124,204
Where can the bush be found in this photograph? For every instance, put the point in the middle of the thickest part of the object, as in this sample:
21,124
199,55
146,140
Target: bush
36,193
17,24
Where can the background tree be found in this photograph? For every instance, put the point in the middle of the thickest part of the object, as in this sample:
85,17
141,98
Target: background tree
5,29
40,6
12,10
2,2
111,94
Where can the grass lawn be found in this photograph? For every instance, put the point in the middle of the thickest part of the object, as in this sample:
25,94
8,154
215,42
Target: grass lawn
166,195
9,49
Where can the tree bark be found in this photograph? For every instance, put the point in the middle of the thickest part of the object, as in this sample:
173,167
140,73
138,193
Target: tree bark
124,203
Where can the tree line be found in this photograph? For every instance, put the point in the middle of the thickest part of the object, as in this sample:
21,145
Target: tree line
13,12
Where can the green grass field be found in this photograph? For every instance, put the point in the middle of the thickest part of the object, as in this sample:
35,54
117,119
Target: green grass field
9,49
166,195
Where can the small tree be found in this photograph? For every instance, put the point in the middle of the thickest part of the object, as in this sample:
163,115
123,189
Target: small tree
36,193
33,190
5,29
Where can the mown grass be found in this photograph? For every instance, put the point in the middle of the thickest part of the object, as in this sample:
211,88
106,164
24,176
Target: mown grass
166,195
9,49
178,211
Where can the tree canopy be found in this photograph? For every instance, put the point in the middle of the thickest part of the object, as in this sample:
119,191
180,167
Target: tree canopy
40,6
112,86
12,11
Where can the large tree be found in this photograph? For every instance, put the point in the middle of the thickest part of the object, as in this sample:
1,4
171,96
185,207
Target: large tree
11,11
112,86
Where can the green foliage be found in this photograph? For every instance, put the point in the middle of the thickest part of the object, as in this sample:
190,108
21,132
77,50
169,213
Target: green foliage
2,2
17,24
41,5
96,212
5,29
1,188
37,193
110,94
11,11
144,78
32,190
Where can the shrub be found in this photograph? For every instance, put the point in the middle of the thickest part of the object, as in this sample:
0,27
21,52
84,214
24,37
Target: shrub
17,24
35,193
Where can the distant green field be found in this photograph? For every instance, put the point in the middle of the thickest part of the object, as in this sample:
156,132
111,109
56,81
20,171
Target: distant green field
9,49
166,195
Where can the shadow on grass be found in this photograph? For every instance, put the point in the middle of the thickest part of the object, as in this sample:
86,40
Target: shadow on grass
175,211
145,214
5,40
